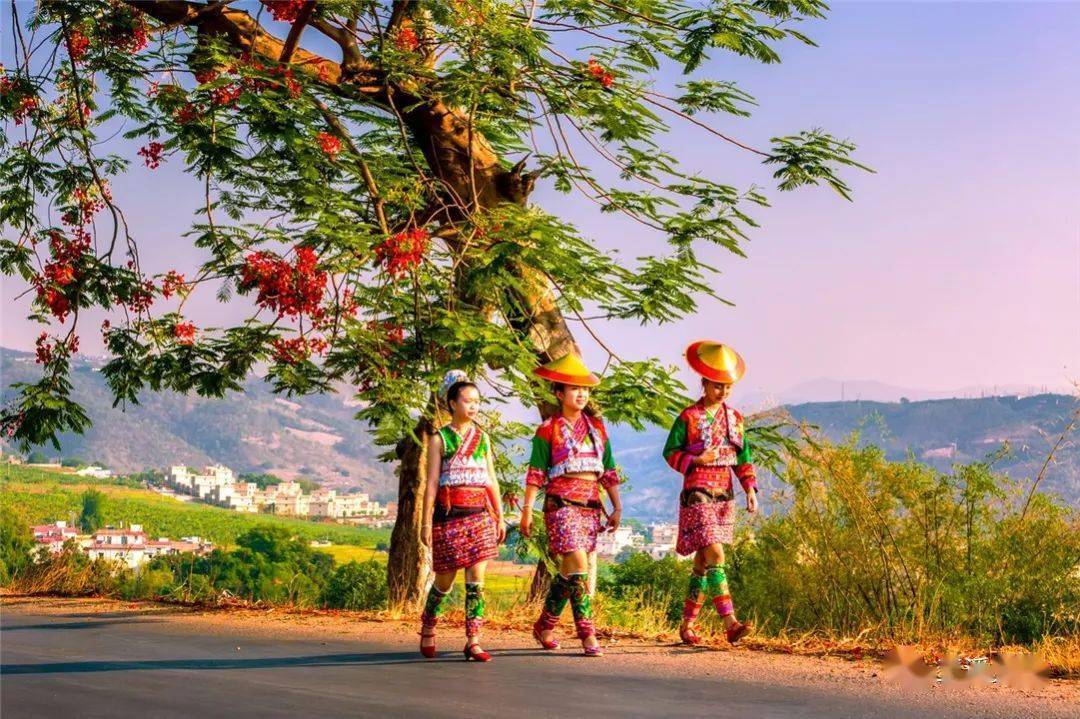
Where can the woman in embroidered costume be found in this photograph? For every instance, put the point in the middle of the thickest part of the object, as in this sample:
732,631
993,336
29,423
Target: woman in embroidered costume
463,518
571,459
705,444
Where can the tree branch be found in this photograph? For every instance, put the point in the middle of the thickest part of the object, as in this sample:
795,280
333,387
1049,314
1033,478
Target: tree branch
296,30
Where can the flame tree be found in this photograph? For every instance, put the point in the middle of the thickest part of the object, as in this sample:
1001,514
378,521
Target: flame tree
366,169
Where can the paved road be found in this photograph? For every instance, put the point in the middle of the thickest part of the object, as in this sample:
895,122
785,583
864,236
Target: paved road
85,665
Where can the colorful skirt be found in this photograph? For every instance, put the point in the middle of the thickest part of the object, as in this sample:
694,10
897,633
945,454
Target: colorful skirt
571,528
706,523
461,542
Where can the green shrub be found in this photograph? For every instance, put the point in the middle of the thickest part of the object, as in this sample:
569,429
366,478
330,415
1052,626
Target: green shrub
16,544
357,586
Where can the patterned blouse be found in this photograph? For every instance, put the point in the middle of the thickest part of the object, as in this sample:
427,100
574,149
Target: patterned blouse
465,458
559,449
697,429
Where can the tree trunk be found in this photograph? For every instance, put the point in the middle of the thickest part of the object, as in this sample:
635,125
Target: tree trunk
408,563
541,582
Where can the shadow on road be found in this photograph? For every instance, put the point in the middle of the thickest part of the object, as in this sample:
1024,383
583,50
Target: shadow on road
322,660
79,625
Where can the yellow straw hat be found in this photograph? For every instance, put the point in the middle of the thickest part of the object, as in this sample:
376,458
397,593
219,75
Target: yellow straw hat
715,361
568,369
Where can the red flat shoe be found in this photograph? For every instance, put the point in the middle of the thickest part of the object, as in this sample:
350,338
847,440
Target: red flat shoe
689,636
737,631
552,644
475,653
428,652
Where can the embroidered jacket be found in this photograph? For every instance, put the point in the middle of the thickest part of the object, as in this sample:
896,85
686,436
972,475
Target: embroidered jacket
697,429
465,458
559,449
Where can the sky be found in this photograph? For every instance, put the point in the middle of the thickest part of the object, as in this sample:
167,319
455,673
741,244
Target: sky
956,266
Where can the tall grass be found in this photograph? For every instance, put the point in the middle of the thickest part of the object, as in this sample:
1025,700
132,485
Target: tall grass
900,551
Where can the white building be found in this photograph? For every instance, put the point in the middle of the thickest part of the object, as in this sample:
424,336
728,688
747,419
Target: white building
133,548
53,536
609,544
218,485
95,472
202,485
664,534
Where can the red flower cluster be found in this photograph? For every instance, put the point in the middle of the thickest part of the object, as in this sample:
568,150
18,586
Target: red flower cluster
141,299
205,76
600,73
187,113
61,271
330,144
292,290
184,332
226,95
392,333
88,201
151,154
46,351
27,100
297,349
406,39
288,80
58,303
78,42
284,10
173,283
128,32
401,253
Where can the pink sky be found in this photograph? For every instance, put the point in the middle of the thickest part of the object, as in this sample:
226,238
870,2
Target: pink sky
958,264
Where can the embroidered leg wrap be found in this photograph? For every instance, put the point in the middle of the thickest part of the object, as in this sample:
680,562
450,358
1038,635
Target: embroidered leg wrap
474,608
433,607
558,596
716,581
581,604
695,597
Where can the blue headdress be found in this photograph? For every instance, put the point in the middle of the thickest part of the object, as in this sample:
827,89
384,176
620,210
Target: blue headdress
452,377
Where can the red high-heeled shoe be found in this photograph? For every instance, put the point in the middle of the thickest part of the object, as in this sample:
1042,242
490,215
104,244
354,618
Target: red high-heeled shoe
546,644
737,631
689,636
428,652
474,652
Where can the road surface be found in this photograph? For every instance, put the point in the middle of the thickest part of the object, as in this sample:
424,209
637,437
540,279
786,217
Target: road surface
134,664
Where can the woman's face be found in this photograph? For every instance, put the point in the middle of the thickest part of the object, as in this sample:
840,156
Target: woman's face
715,391
466,405
574,397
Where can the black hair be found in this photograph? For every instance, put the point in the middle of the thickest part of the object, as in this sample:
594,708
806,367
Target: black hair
455,389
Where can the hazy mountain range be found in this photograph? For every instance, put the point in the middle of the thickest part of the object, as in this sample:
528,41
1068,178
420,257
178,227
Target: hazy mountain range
318,437
936,432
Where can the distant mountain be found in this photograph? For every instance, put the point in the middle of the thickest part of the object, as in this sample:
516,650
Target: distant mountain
937,432
319,437
835,390
256,430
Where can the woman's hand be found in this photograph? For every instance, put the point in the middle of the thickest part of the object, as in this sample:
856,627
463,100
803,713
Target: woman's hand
425,535
614,519
525,526
751,501
707,456
501,529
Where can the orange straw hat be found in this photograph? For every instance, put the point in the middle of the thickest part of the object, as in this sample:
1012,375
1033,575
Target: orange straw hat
568,369
715,361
